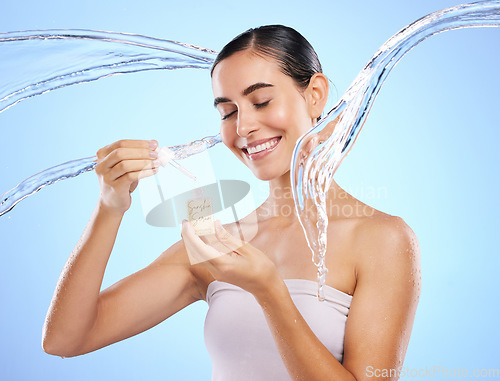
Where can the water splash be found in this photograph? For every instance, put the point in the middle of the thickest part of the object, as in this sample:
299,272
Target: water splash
36,62
76,167
40,180
319,152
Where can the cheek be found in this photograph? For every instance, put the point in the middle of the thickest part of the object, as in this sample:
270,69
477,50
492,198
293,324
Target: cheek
292,119
279,118
227,136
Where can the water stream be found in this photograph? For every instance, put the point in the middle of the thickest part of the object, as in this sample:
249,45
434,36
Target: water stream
318,153
36,62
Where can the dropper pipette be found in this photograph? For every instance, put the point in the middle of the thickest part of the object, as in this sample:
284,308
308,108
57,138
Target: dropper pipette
165,155
175,164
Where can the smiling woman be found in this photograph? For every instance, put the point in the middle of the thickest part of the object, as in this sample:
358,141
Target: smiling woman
266,104
267,97
251,91
428,153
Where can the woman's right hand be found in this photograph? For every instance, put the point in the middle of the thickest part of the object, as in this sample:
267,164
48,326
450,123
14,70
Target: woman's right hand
120,166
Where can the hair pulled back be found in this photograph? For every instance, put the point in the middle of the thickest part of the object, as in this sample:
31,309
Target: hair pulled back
293,53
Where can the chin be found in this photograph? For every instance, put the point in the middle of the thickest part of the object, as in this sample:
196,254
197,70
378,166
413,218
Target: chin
271,174
264,177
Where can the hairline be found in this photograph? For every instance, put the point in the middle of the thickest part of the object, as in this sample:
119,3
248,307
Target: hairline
268,56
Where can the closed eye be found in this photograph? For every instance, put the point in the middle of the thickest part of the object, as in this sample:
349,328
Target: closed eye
256,105
228,115
260,105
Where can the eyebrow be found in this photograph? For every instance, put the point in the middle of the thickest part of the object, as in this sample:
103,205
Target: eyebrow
250,89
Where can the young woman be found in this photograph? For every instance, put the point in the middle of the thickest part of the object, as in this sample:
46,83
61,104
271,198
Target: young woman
264,321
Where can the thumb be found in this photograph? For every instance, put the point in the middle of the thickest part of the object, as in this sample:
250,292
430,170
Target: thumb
133,186
231,242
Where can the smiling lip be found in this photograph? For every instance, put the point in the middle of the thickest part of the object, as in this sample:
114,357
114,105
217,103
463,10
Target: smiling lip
263,153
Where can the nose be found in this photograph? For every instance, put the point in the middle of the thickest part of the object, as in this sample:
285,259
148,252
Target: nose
246,124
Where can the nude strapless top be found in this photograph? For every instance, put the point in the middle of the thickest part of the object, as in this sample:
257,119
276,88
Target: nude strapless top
238,338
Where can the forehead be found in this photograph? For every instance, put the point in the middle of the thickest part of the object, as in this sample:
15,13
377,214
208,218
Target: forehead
243,69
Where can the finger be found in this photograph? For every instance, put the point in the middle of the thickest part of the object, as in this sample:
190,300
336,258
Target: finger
312,143
133,186
126,166
197,250
121,154
213,241
226,239
212,265
131,177
127,143
141,144
219,265
307,146
328,130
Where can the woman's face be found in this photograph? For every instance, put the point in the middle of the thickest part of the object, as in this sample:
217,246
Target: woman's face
263,112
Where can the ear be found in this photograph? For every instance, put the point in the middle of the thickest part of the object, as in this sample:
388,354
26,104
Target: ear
317,91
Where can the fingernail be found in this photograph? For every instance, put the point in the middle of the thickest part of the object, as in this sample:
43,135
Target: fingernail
153,144
218,225
156,163
153,154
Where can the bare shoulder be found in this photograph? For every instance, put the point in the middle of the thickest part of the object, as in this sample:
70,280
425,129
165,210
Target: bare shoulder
385,241
382,226
386,294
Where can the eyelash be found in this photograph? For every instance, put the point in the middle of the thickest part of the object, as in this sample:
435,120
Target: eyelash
260,105
257,106
228,115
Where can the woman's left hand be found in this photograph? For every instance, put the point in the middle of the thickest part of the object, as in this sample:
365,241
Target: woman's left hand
231,260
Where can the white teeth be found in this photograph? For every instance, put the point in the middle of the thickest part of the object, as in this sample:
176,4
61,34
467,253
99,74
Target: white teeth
262,147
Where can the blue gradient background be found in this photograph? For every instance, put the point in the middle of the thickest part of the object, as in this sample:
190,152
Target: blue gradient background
428,153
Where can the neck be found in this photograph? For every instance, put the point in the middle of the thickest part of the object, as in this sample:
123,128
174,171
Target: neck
280,202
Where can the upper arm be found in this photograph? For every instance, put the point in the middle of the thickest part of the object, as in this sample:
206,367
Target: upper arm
143,299
385,300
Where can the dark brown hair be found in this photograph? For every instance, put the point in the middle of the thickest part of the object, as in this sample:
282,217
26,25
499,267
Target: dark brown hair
294,54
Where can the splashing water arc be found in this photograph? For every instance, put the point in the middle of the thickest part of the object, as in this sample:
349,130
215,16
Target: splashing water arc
319,152
90,55
52,59
79,55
